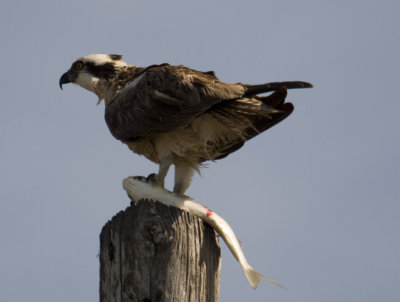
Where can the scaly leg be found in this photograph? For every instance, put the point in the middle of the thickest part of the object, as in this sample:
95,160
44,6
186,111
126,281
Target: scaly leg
158,179
183,177
163,170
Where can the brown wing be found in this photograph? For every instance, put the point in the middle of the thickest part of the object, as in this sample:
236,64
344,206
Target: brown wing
165,98
261,123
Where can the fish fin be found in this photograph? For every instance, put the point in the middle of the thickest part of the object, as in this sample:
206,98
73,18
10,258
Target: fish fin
253,277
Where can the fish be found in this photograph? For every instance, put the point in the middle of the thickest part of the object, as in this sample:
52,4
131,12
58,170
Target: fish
139,187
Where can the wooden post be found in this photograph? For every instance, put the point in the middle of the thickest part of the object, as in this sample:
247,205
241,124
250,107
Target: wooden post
152,252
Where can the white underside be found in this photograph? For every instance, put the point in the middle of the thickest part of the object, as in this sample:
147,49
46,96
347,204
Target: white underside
202,140
138,188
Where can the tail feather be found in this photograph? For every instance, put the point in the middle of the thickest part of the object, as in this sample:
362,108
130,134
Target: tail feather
275,99
253,277
252,90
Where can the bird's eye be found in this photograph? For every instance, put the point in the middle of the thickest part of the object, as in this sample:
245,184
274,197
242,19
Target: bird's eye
79,65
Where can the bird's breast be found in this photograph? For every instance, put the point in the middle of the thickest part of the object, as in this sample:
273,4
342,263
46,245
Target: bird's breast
202,140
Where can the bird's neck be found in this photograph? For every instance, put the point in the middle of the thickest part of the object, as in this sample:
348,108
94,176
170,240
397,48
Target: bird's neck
107,89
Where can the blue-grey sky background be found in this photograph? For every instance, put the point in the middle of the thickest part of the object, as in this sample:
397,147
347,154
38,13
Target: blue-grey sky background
315,200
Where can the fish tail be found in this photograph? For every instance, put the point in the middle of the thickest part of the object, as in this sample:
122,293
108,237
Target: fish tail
253,277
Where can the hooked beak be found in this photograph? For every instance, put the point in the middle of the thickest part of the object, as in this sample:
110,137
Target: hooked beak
65,79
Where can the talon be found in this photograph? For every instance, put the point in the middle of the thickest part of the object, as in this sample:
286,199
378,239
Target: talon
140,178
152,179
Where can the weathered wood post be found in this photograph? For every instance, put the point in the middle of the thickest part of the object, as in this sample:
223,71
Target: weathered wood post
152,252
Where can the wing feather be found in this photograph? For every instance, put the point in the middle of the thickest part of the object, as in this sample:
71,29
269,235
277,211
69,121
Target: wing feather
165,98
261,123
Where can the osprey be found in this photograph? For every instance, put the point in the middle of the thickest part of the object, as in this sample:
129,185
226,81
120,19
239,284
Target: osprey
174,115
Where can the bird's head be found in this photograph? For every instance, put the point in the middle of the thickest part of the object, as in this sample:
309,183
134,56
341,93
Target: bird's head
94,72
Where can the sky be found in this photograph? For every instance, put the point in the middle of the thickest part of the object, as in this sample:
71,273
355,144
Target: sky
315,200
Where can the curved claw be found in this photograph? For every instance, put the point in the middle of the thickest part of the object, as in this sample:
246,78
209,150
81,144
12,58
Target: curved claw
153,179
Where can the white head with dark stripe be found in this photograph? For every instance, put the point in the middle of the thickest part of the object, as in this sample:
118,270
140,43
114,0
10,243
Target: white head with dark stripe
93,73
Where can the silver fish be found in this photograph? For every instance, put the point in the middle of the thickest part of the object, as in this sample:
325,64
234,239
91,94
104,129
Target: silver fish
139,187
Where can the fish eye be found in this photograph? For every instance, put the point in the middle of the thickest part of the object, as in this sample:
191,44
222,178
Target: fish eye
79,65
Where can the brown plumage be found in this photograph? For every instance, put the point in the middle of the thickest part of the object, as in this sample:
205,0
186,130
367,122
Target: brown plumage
177,115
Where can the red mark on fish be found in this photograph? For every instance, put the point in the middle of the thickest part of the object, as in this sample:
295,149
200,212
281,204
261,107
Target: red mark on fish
138,189
209,212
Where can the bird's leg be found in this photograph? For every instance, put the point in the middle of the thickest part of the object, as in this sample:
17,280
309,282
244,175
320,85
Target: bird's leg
183,177
162,171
